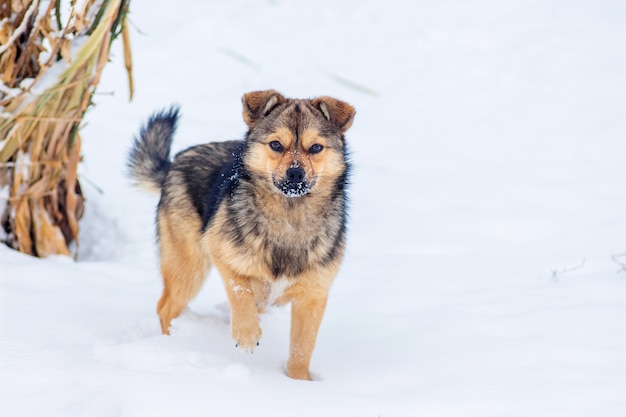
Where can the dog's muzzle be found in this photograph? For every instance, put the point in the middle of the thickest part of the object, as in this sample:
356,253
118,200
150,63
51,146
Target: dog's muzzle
294,184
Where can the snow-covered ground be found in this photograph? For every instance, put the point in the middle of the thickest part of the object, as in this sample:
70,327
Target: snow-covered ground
488,210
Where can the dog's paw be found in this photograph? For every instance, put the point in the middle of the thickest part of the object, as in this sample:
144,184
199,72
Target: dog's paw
246,336
297,371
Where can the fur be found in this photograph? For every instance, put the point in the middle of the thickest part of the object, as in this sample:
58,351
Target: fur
269,212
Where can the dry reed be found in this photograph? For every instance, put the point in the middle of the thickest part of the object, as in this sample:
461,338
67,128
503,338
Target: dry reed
49,70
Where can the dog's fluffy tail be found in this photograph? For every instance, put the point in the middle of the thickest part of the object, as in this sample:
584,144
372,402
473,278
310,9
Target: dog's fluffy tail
149,158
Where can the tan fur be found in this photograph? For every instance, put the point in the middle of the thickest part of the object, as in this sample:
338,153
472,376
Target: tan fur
184,264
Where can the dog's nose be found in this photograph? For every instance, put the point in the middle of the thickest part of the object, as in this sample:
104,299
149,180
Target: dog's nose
295,174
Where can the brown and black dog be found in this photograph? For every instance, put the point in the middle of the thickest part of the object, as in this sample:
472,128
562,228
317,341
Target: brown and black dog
269,212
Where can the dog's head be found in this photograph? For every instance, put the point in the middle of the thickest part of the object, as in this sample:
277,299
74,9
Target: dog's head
295,145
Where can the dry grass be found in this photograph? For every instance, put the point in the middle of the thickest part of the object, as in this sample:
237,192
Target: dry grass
49,69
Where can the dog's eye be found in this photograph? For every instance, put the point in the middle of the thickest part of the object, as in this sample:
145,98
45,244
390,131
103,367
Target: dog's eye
276,146
317,148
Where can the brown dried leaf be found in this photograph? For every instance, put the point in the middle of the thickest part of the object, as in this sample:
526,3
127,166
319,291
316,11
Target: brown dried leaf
65,50
48,237
80,23
5,31
128,59
70,180
19,5
21,227
7,65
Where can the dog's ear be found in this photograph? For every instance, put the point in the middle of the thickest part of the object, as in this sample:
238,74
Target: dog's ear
259,104
339,113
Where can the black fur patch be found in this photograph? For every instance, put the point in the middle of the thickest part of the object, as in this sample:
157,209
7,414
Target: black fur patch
340,192
288,262
224,183
338,243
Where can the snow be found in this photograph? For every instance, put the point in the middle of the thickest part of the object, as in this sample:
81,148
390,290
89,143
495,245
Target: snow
482,276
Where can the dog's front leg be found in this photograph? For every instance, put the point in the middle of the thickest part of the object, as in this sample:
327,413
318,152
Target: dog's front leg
306,317
244,317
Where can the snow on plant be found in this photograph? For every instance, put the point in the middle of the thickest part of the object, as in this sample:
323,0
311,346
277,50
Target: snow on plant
50,65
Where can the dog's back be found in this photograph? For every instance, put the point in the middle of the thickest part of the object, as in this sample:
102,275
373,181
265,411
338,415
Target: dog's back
202,172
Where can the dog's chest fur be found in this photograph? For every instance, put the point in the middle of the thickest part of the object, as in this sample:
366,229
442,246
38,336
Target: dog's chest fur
283,237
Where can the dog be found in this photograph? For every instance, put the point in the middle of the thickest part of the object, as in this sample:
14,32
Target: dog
269,212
